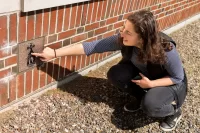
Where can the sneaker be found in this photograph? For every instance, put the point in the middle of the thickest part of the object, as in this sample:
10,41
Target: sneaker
132,106
171,121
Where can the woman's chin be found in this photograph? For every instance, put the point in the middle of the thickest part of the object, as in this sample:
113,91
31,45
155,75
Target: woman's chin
126,43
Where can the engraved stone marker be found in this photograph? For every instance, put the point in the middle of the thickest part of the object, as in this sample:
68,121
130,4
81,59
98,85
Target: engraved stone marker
25,59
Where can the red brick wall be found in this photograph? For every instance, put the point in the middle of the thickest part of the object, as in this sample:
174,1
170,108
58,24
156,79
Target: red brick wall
66,25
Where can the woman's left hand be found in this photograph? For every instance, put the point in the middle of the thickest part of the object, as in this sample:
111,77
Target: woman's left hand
144,82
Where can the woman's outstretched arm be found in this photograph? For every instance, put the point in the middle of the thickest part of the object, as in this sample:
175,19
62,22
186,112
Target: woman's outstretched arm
49,53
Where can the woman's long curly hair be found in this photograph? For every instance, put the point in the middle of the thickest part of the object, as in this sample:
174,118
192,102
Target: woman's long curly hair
153,47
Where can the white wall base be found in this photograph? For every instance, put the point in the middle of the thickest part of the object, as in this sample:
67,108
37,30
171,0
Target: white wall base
182,24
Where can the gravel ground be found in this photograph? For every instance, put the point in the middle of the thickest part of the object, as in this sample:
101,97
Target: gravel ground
91,104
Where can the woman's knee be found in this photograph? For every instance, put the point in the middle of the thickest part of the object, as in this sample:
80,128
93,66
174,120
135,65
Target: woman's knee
120,77
111,74
113,77
119,72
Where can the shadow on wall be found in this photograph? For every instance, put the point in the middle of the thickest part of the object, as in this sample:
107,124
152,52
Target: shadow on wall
99,90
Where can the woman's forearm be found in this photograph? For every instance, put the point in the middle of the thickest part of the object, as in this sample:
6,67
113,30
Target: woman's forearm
165,81
76,49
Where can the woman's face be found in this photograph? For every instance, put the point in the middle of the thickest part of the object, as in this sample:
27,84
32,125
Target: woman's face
130,37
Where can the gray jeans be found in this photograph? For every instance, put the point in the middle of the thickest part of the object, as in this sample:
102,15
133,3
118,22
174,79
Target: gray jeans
156,102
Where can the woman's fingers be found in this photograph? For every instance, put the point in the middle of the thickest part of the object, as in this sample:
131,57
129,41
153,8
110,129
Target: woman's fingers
45,55
43,59
40,55
141,75
136,81
37,54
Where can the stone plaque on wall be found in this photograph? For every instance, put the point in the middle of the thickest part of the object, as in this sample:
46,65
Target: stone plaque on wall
25,59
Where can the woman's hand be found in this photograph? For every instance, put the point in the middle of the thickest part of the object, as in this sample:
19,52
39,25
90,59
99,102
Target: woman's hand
144,82
47,54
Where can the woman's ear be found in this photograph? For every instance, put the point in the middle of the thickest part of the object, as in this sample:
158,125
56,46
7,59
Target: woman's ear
140,42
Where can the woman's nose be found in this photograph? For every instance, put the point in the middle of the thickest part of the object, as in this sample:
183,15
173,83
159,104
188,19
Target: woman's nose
122,33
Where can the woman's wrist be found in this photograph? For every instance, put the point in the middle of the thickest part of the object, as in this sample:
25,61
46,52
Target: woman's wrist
55,54
151,84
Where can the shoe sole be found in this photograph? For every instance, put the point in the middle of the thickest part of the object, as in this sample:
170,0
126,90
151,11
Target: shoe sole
167,130
130,110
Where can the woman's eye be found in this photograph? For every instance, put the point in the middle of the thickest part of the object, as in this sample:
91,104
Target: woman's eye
121,29
128,33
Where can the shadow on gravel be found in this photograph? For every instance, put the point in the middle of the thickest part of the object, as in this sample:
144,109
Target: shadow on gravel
99,90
